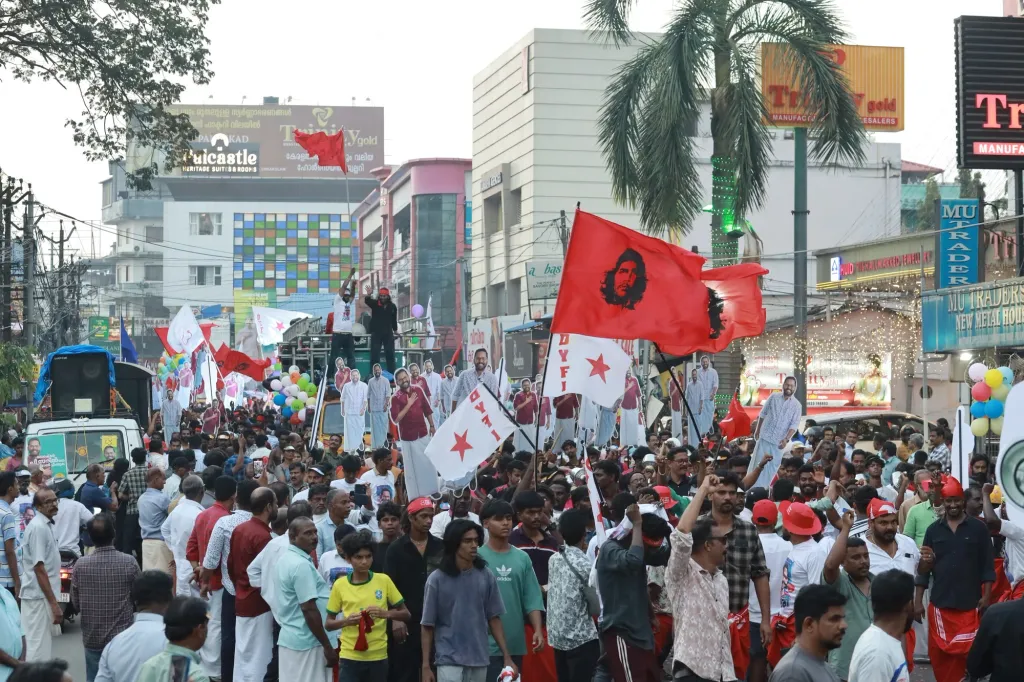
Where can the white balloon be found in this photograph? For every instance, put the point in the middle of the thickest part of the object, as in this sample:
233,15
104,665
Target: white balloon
976,372
294,368
276,385
303,396
302,414
311,402
291,390
286,380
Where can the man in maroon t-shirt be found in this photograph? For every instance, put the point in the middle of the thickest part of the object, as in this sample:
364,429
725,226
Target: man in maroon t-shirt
566,408
525,405
254,623
410,411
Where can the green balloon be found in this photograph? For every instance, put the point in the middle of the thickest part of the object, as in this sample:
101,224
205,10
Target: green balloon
415,339
297,405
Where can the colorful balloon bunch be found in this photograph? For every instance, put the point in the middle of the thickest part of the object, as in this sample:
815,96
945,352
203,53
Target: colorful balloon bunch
991,386
295,392
168,369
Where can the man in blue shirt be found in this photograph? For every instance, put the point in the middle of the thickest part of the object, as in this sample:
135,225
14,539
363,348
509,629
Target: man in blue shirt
153,506
94,495
9,575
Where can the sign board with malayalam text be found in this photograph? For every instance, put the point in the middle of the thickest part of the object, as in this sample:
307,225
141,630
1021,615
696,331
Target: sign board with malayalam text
875,75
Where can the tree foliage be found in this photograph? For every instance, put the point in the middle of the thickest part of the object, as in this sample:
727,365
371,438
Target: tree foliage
16,366
928,209
711,51
128,59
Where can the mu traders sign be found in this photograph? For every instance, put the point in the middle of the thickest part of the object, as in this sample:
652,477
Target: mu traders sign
990,92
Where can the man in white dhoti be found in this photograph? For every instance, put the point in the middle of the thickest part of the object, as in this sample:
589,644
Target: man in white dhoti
675,397
778,421
708,376
177,529
410,410
378,394
605,425
433,380
695,400
354,401
526,407
446,392
629,421
546,418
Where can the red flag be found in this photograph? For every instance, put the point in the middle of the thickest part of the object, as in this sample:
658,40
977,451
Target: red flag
736,422
328,149
619,283
161,333
229,360
741,313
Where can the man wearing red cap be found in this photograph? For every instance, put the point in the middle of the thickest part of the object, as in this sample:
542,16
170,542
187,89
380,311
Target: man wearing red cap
802,568
957,556
383,325
765,515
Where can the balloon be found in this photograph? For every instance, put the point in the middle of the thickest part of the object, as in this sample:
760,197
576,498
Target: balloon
170,382
979,427
286,411
993,377
978,409
302,414
303,384
277,366
996,425
305,376
286,380
1000,393
982,391
976,372
310,402
303,396
417,310
276,385
296,405
294,369
280,399
415,339
1007,375
295,419
163,361
993,409
296,376
312,390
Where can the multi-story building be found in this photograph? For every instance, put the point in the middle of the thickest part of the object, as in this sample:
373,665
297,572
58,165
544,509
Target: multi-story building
536,154
415,237
249,220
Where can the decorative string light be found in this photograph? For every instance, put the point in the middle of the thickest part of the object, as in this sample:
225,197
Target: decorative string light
723,209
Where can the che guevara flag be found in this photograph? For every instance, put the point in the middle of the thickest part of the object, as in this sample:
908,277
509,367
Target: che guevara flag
328,149
619,283
230,360
739,299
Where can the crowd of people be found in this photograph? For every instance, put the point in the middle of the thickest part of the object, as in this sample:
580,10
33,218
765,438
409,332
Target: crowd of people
232,548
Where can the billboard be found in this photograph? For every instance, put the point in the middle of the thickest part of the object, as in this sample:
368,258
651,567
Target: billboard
876,81
978,316
543,278
258,140
959,243
838,379
989,92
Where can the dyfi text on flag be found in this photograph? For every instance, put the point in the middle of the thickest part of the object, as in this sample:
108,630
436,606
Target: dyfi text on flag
467,438
593,367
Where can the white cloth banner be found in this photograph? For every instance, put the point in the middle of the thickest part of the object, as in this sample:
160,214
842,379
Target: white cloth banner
595,368
184,334
271,323
595,498
431,333
1008,465
962,449
467,438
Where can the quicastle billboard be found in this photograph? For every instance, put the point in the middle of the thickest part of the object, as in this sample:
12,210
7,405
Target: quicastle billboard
259,140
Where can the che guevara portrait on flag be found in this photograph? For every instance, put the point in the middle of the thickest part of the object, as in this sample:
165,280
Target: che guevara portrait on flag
624,285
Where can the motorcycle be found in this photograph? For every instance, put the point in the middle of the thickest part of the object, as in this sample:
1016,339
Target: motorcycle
67,568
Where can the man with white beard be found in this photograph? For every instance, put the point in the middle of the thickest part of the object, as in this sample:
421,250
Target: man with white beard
354,399
778,421
379,392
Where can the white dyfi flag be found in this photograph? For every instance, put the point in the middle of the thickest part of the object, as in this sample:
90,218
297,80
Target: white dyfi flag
1009,472
184,334
468,437
595,368
504,385
431,334
271,323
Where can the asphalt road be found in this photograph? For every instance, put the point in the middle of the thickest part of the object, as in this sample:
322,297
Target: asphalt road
69,647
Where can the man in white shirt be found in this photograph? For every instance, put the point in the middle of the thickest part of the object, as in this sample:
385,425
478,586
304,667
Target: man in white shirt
71,516
445,393
433,380
177,528
344,316
765,516
40,579
459,510
380,480
708,377
354,400
878,655
778,421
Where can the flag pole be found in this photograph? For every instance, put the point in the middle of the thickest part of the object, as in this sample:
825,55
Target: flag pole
540,404
510,416
682,393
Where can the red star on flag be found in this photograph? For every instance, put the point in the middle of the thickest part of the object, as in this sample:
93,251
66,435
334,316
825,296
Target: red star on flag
279,326
462,444
599,366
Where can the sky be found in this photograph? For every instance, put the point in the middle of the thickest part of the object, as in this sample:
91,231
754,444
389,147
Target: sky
417,60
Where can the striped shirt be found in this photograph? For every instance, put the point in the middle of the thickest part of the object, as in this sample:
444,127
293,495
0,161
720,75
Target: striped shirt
378,392
133,484
778,416
220,545
469,380
8,531
940,454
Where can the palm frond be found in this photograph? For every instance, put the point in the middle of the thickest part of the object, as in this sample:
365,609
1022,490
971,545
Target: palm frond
819,17
744,125
839,135
609,19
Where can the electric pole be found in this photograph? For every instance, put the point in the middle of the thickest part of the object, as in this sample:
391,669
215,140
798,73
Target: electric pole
7,258
62,316
28,292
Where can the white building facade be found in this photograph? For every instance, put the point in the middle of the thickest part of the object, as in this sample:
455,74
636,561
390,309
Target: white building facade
536,153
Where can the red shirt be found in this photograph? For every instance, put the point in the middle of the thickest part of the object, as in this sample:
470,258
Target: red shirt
247,540
200,538
565,406
545,411
421,381
525,405
414,425
631,399
674,393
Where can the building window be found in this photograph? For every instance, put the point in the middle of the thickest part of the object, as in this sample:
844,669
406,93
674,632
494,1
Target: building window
127,276
493,218
204,224
155,234
154,273
108,192
204,275
517,206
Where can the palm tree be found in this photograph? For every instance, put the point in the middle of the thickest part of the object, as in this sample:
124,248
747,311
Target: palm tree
711,50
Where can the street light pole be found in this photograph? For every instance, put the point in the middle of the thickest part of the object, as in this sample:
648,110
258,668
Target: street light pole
800,263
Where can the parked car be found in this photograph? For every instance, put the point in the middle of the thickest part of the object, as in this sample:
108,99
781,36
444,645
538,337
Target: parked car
866,423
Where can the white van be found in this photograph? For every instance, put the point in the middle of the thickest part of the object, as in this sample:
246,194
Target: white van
91,440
